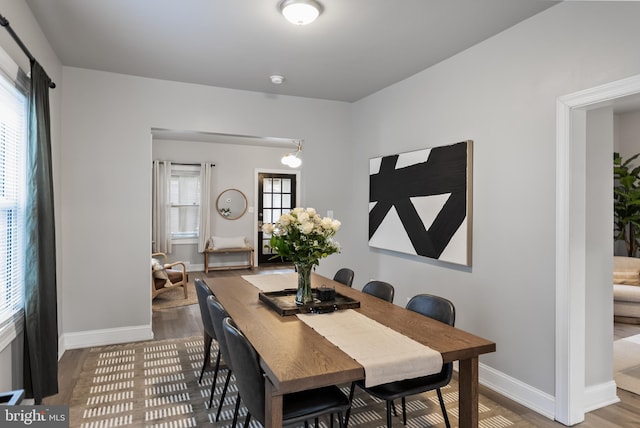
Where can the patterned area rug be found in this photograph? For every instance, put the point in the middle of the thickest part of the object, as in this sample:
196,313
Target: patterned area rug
175,297
155,384
626,363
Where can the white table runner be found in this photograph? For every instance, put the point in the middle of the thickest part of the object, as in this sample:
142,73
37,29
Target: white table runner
385,354
273,282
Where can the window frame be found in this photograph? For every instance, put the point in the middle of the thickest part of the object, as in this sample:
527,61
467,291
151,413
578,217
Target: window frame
185,170
12,321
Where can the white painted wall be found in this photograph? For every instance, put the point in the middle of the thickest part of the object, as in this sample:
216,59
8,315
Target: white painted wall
24,24
501,94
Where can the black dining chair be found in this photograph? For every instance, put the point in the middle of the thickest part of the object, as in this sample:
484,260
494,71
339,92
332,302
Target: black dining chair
344,276
380,289
434,307
203,292
218,314
250,380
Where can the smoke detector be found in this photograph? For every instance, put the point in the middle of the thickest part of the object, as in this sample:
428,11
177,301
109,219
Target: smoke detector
276,79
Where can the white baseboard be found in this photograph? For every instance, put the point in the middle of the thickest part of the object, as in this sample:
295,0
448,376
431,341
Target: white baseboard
595,397
601,395
109,336
518,391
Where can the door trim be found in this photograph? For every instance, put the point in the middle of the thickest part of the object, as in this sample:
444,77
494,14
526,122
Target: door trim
570,237
299,200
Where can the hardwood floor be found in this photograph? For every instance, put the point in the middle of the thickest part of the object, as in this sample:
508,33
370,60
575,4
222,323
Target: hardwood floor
185,321
620,330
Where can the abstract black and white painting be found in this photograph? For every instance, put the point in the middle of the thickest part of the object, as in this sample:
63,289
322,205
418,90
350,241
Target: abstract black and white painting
420,202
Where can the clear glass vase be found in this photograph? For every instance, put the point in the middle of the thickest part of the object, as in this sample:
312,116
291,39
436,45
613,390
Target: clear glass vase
304,295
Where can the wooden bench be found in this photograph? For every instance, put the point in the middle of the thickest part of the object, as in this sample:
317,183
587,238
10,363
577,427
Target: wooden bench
248,265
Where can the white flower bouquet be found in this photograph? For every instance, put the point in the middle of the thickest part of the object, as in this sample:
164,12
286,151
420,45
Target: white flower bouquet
302,236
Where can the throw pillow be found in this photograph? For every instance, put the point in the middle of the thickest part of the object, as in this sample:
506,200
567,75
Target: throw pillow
158,270
221,243
155,264
628,278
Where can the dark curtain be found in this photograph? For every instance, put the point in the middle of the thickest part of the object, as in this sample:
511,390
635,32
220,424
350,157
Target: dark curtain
40,303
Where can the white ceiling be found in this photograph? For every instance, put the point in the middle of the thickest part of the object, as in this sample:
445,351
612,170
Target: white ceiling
354,49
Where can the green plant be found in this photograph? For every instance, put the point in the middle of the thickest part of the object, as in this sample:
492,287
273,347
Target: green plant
626,202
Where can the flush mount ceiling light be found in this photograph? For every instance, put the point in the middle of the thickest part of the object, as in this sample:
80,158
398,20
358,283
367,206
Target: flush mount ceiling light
300,12
293,159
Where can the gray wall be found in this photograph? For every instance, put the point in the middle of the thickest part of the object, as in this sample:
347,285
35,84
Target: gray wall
627,134
501,94
235,168
599,245
626,141
110,147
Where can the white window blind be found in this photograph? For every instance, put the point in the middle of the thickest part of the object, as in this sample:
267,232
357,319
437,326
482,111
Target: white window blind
185,201
13,130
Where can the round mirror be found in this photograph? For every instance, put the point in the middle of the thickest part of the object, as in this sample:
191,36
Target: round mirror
231,204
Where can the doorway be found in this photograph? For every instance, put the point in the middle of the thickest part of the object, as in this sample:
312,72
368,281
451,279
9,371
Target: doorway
277,194
571,402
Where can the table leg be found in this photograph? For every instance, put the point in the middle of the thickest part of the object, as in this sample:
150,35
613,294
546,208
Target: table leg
206,262
272,406
468,392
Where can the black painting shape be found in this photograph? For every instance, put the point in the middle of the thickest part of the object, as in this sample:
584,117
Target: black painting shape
444,172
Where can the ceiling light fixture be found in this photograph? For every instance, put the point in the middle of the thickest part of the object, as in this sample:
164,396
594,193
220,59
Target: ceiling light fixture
300,12
293,159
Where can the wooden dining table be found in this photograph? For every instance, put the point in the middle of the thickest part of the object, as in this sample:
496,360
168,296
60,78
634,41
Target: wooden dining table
295,357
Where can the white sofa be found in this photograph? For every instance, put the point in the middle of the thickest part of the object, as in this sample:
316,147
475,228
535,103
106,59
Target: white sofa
626,289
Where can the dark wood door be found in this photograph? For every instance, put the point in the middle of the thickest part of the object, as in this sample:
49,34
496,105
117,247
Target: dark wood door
276,195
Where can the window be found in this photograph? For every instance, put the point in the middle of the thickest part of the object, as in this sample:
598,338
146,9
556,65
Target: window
185,201
13,143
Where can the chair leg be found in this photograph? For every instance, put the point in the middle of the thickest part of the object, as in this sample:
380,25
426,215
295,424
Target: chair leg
444,410
393,406
224,392
389,406
207,350
235,412
346,416
215,378
340,424
404,411
246,420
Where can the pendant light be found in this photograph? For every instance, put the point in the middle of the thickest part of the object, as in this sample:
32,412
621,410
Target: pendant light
293,159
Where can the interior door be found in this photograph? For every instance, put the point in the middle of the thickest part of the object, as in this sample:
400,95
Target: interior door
276,195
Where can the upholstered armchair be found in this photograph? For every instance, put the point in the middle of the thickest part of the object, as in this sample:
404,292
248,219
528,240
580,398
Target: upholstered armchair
167,276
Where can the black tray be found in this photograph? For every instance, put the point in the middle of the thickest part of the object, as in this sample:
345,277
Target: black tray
283,302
